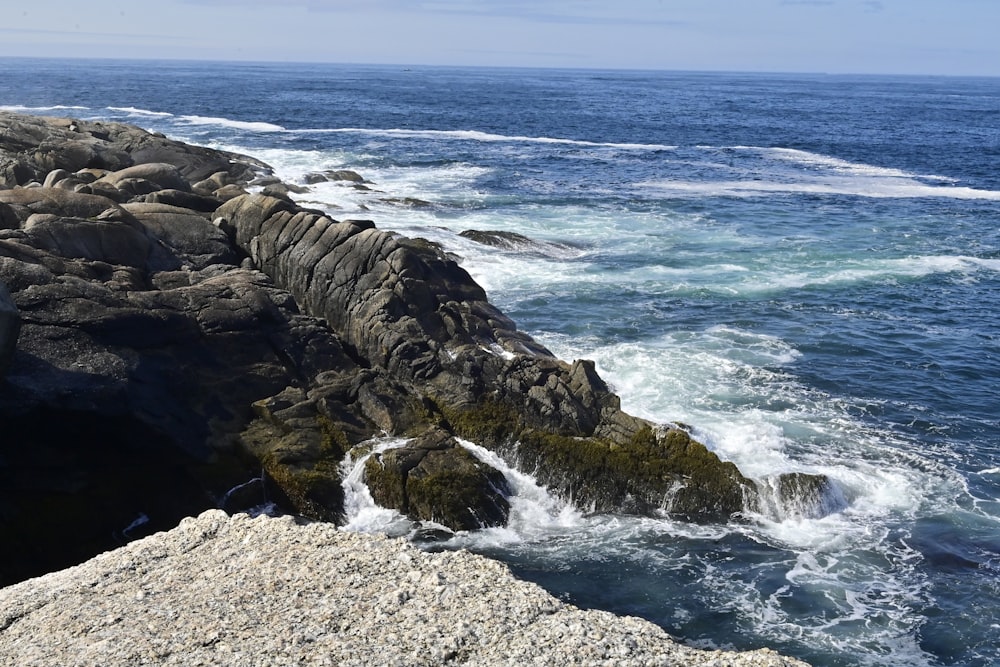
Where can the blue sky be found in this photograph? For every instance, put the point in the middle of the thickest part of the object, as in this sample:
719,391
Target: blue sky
837,36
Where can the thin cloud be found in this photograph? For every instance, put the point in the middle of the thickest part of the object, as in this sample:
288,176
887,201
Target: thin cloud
81,33
570,12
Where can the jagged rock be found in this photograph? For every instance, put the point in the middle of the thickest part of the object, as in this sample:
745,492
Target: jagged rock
125,401
10,327
433,478
498,239
14,172
514,242
411,310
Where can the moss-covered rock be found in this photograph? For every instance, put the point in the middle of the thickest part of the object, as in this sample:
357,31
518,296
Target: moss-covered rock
433,478
652,471
303,463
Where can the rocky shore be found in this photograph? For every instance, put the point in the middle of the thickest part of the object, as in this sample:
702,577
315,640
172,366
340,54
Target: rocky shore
177,334
222,591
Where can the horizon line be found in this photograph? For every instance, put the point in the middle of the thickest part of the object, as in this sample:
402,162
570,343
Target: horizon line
404,65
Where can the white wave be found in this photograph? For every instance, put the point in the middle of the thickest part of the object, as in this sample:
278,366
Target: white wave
827,162
250,126
774,171
535,514
476,135
138,522
875,188
56,107
906,267
361,512
141,112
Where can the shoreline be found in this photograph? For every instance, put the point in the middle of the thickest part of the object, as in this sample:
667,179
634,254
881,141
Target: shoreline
186,331
226,591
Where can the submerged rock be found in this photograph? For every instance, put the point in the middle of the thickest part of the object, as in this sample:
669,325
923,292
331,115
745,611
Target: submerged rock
799,495
514,242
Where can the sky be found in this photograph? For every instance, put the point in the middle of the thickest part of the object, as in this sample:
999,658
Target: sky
950,37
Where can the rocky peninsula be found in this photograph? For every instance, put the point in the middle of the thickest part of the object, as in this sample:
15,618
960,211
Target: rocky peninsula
177,334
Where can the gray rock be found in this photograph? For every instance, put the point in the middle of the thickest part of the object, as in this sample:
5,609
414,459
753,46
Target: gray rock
231,591
95,240
404,306
33,146
163,176
182,199
209,185
15,171
148,334
227,192
334,175
54,177
27,201
184,237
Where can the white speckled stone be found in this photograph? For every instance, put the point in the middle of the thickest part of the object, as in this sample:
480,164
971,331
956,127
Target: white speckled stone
235,591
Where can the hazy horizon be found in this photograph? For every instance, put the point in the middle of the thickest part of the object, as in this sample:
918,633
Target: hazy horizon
890,37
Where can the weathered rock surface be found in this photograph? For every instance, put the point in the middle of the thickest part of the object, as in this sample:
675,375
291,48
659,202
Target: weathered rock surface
404,306
179,337
237,591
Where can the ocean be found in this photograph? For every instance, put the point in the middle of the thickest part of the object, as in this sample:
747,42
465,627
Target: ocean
805,269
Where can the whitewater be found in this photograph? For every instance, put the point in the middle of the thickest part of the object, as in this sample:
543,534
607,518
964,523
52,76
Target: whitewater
805,271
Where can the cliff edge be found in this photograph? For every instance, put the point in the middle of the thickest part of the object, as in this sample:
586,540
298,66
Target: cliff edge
220,590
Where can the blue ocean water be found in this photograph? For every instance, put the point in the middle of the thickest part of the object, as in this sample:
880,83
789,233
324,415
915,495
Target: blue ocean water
804,268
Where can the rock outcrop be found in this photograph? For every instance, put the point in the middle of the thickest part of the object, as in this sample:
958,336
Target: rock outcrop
176,337
223,591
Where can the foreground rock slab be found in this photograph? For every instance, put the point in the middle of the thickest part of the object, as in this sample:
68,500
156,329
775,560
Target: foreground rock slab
220,590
